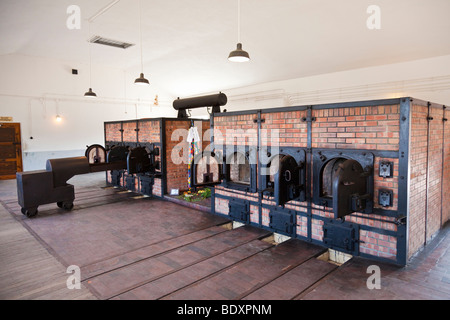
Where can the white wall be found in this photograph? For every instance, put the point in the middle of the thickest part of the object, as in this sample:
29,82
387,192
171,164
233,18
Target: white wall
427,79
34,90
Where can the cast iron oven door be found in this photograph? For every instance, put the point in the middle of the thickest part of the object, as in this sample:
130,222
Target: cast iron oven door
349,188
239,210
240,169
284,177
343,180
282,221
206,169
341,236
139,160
147,182
287,181
96,154
117,154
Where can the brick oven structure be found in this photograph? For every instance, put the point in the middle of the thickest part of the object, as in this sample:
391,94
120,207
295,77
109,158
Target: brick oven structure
162,136
367,178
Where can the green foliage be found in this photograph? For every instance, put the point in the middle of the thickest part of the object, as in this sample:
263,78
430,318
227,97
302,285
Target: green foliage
192,196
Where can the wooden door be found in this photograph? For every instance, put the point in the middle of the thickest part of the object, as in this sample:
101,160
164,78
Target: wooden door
10,150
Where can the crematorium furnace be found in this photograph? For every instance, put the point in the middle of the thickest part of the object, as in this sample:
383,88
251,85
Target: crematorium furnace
367,178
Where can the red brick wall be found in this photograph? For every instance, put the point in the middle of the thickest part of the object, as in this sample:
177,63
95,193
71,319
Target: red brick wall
418,178
112,132
157,190
435,149
129,131
243,130
377,244
375,128
149,131
220,204
177,174
426,184
292,131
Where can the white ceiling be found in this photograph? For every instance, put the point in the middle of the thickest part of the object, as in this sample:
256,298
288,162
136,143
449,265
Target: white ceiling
186,42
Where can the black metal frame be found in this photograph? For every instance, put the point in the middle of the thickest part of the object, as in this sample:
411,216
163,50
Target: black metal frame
219,158
250,154
403,179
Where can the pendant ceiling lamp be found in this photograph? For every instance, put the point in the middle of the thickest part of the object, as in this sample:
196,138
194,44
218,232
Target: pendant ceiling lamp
90,93
239,55
141,80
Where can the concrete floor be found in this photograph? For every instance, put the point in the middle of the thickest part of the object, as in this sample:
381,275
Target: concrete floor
129,247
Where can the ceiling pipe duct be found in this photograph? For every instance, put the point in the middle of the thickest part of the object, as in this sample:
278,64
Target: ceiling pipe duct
215,101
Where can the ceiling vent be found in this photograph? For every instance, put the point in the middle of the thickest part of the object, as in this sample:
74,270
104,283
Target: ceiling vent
110,42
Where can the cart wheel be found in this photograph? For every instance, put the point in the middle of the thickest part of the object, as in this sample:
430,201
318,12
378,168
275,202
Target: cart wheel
67,206
59,204
30,213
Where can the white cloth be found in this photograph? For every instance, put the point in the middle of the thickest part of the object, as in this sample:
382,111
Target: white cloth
193,134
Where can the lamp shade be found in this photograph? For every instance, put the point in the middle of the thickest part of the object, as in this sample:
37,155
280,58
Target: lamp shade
90,94
141,81
239,55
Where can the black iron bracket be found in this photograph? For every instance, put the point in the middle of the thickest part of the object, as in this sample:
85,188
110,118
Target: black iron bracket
309,117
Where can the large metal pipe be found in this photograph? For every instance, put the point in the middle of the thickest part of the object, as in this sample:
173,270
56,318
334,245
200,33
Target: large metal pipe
214,100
